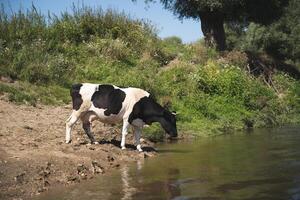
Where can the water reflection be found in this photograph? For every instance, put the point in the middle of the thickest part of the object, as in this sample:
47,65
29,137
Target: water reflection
127,188
172,185
132,190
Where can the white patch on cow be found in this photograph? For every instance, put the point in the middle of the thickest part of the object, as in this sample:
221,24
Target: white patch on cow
110,119
87,90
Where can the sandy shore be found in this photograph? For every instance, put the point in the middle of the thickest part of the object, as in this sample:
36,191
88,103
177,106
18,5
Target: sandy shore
34,157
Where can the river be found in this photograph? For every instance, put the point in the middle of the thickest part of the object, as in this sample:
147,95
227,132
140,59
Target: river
259,164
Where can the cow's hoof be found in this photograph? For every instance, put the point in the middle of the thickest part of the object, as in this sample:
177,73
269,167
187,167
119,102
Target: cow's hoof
139,148
68,141
96,142
123,148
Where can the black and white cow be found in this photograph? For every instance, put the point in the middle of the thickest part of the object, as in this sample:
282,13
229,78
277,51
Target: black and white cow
111,104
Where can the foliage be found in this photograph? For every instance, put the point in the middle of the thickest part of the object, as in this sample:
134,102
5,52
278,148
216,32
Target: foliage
279,39
214,13
17,95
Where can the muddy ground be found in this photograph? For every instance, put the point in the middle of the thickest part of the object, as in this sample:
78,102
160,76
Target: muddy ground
34,157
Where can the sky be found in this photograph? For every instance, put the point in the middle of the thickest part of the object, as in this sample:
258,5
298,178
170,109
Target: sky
167,24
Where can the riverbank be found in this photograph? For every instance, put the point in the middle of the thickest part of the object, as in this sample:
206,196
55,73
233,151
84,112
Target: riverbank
34,157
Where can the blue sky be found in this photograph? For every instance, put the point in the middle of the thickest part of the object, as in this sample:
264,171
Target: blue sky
167,24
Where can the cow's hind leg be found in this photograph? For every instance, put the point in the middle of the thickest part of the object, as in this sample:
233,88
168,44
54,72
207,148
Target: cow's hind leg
86,125
70,123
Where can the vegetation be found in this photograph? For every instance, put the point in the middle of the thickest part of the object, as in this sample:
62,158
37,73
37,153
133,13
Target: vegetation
214,13
281,39
212,93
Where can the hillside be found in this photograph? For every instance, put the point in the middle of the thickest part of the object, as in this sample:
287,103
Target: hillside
212,93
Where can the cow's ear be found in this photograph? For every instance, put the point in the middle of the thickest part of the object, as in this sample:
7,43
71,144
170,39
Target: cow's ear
174,113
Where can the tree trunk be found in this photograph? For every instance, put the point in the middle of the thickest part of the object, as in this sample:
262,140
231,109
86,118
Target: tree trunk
213,30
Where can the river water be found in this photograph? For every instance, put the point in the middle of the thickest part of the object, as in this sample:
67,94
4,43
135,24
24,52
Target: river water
261,164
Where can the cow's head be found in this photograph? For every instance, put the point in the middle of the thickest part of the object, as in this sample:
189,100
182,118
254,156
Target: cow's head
169,123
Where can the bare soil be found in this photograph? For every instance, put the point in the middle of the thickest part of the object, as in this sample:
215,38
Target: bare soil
34,157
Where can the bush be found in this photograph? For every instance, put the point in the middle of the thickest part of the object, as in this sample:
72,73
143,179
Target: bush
216,80
17,95
235,58
114,49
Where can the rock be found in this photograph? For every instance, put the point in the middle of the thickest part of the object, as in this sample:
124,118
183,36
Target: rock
83,142
48,164
28,127
46,184
110,158
20,178
45,171
81,169
37,140
76,148
83,176
117,165
144,155
91,148
102,149
73,178
40,189
76,145
96,168
142,140
34,145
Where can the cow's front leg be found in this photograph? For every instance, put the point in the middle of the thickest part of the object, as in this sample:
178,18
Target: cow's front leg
137,135
124,133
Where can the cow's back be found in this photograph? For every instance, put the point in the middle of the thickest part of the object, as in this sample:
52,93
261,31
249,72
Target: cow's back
110,103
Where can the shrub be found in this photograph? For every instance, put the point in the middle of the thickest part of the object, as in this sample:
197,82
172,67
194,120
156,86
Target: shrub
114,49
235,58
17,95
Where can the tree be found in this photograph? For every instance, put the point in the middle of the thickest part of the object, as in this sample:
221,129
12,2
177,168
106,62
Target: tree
214,13
280,39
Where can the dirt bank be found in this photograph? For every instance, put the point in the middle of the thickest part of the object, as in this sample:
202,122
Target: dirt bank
34,157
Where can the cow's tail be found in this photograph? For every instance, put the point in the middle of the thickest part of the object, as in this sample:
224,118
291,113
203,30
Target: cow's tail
69,118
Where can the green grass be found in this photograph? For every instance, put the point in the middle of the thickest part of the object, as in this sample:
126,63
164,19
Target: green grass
24,92
17,95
